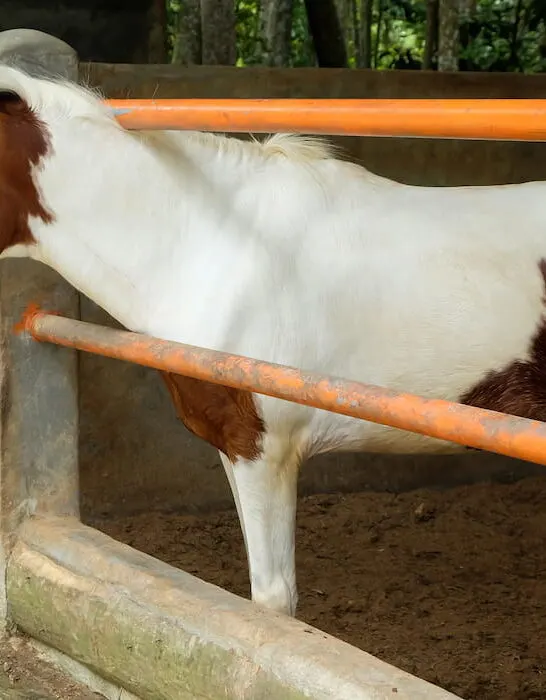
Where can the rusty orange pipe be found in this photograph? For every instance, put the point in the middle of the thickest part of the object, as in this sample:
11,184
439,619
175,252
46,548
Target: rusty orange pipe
515,120
486,430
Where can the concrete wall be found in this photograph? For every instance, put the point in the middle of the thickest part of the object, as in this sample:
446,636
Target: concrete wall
134,453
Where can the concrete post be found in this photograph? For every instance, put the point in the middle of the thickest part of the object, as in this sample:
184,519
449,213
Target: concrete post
38,382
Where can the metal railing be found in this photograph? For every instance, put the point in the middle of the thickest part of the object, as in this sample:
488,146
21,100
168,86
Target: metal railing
483,429
513,120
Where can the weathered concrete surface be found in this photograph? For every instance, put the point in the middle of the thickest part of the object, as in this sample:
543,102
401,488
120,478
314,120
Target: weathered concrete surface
164,634
135,455
36,51
39,467
38,384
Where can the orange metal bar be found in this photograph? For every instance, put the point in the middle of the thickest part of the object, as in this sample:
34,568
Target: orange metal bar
466,119
487,430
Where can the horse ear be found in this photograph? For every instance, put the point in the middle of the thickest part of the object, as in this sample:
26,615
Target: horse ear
10,101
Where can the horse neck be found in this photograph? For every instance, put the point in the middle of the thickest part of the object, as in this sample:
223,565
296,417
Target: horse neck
143,211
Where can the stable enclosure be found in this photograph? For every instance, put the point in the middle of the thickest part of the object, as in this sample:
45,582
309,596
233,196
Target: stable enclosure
145,627
120,439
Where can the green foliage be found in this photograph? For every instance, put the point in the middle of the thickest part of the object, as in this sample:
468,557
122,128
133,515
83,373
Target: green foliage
173,8
249,43
507,35
303,53
401,27
248,32
503,35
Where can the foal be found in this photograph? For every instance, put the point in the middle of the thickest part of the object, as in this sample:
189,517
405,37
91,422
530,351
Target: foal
282,252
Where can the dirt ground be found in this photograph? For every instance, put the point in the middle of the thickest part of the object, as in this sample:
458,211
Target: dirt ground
24,676
450,586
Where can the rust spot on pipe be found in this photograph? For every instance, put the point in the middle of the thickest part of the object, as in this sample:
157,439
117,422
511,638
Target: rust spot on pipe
25,322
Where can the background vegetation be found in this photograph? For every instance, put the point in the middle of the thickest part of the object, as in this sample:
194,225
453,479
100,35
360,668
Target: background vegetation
471,35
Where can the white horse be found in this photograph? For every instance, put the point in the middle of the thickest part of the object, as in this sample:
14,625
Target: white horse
282,252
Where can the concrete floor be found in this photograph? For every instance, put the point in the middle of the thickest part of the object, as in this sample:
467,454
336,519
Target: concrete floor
24,676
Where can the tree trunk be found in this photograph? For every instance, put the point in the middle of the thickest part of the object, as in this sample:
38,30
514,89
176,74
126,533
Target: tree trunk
276,31
157,44
377,44
218,32
187,43
325,29
356,33
366,20
467,11
448,36
344,13
431,38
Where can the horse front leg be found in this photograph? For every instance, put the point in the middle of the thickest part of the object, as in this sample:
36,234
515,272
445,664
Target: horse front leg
262,472
265,493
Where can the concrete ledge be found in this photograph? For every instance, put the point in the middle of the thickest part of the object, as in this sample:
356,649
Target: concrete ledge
163,634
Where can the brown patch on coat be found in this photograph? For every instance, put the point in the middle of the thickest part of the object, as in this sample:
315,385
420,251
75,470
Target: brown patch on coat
24,142
226,418
520,388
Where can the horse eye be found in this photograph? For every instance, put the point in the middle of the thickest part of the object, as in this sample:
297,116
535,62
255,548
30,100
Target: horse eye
9,96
